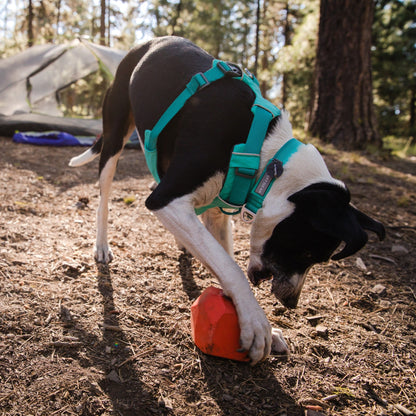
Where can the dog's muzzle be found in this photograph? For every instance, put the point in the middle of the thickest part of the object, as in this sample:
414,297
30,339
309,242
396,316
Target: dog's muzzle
286,288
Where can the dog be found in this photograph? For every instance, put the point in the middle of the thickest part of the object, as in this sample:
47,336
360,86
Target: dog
304,218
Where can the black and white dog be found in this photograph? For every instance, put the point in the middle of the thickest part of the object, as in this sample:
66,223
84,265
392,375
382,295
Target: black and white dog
304,218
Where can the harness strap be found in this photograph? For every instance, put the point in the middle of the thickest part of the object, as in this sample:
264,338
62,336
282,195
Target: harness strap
219,70
272,171
240,191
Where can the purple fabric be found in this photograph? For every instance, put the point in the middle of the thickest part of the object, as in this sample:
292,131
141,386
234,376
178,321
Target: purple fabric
48,139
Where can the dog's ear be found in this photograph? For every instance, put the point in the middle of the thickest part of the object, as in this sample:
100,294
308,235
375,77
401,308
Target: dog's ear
326,207
369,224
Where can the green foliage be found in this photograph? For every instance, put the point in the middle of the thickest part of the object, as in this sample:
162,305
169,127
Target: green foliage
227,29
84,98
223,27
394,57
297,60
400,146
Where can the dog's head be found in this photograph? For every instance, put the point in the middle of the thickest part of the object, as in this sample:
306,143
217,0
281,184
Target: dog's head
301,226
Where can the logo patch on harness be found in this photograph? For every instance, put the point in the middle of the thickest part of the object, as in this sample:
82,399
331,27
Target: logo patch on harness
274,170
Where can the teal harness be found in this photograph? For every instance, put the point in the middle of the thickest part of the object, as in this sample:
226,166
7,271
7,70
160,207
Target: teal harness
240,192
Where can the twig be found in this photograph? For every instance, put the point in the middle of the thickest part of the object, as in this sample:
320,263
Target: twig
65,344
26,341
403,410
133,357
330,294
388,259
399,227
6,396
413,293
48,320
60,410
111,327
331,397
369,389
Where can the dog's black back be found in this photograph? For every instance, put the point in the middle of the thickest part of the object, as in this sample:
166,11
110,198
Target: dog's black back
219,115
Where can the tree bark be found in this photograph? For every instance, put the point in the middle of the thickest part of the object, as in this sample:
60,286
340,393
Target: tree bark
288,41
30,17
412,106
58,17
257,40
102,22
343,112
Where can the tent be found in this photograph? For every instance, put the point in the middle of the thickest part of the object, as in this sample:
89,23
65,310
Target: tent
30,82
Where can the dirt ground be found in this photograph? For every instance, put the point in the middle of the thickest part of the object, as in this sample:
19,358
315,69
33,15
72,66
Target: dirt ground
82,339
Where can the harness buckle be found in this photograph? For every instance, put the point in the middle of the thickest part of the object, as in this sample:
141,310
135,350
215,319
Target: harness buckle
247,215
250,74
201,80
233,70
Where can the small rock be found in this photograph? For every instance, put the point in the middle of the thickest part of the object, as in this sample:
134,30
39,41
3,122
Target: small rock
108,349
168,403
385,304
322,331
314,320
360,264
113,376
310,412
378,290
399,249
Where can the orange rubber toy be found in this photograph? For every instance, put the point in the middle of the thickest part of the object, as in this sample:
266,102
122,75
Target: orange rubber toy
215,327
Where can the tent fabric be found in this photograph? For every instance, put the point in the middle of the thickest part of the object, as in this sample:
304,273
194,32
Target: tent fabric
18,67
15,72
74,64
38,122
31,80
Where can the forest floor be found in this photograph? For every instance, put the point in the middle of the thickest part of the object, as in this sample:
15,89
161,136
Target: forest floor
82,339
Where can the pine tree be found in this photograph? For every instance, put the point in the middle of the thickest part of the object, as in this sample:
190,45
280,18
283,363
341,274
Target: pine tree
394,58
343,112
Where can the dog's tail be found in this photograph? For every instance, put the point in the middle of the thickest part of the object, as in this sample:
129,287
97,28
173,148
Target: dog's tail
89,154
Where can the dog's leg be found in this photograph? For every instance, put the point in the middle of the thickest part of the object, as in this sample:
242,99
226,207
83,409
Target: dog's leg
108,165
102,251
279,345
219,225
180,219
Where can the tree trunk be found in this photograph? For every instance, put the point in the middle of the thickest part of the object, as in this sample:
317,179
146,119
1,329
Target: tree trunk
102,23
412,105
343,112
288,41
30,17
175,19
257,40
58,17
108,24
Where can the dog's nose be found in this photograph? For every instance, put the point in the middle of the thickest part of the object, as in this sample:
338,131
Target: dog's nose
256,276
288,288
290,302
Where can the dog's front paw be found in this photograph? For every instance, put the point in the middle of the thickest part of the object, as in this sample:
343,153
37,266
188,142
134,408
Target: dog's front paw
279,345
103,254
256,335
